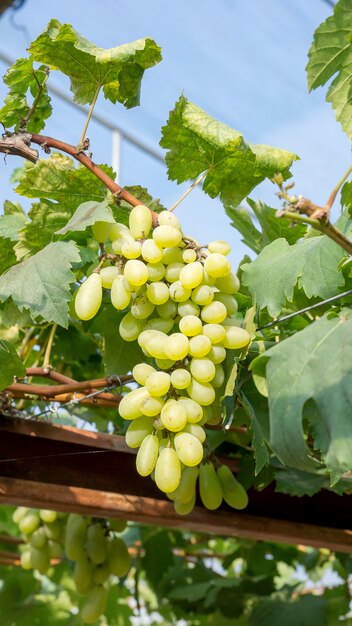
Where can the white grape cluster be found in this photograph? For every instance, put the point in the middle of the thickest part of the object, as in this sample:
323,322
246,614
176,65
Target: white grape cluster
91,544
181,305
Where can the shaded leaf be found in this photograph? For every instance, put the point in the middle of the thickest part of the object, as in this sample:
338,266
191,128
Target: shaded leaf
295,482
197,143
8,256
330,55
308,610
314,364
21,78
10,364
41,283
118,70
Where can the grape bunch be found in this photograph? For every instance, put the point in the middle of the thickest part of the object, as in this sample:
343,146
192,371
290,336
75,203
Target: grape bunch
92,544
180,305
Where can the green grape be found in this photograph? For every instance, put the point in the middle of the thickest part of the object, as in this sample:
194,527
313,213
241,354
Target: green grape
173,270
138,430
89,297
189,255
209,486
158,383
196,430
167,218
217,354
187,486
176,346
54,530
117,244
215,332
228,284
136,272
83,574
199,346
173,416
168,470
219,377
131,249
236,337
96,545
38,538
180,378
120,295
178,293
101,231
101,573
229,301
118,557
19,514
184,508
147,455
130,328
145,335
219,247
190,325
94,605
189,449
233,492
193,409
164,364
108,275
167,310
142,307
217,265
158,293
75,537
151,407
130,405
141,372
191,275
188,308
55,549
25,560
156,271
151,252
118,525
213,313
40,559
202,295
30,522
202,370
203,393
172,255
155,346
116,229
47,515
140,221
167,236
162,325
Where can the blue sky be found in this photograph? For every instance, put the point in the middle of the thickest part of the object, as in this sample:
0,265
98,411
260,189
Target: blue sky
243,61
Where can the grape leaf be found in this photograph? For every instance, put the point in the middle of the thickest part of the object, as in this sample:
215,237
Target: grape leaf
313,365
197,143
330,54
308,610
10,364
295,482
118,71
57,179
8,256
11,223
313,264
46,218
87,214
41,283
20,78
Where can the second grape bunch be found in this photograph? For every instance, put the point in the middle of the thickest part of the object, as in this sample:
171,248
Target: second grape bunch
180,301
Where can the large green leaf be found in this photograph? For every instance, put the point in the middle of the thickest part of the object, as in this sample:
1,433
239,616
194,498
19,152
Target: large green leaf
57,179
87,214
41,283
197,143
308,610
10,364
46,218
313,365
17,111
330,54
118,71
8,256
12,221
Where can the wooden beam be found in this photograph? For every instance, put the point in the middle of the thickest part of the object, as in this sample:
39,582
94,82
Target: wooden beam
146,510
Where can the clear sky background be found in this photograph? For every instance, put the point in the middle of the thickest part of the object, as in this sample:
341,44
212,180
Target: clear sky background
243,61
